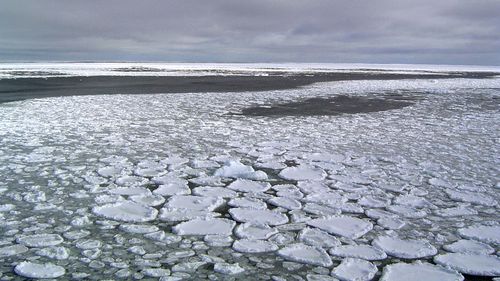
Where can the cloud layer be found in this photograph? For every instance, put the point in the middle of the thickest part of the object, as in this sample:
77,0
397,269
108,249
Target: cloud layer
383,31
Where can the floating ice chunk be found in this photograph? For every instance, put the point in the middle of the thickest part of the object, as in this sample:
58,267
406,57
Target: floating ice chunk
406,249
346,226
163,237
303,173
88,244
312,187
288,190
471,197
254,231
244,185
374,201
254,246
208,181
306,254
331,198
318,238
136,190
412,200
130,180
218,240
126,211
407,211
321,210
258,216
391,187
419,271
170,189
284,202
365,252
462,210
148,199
40,240
110,171
227,268
188,266
59,253
355,269
76,234
196,203
38,270
210,226
325,157
439,182
391,223
235,169
472,264
469,246
138,228
12,250
320,277
155,272
106,198
148,172
214,191
271,164
488,234
7,207
246,202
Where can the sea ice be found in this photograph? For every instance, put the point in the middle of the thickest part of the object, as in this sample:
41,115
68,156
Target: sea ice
303,173
138,228
306,254
126,211
469,246
246,202
258,216
243,185
148,199
284,202
365,252
254,231
196,203
12,250
227,268
472,264
484,233
235,169
38,270
471,197
60,253
40,240
351,269
209,226
176,188
419,271
254,246
346,226
391,223
214,191
406,249
318,238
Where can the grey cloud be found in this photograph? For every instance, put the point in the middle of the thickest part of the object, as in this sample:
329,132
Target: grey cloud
385,31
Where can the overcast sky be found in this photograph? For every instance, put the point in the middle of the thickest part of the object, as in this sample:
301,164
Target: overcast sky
371,31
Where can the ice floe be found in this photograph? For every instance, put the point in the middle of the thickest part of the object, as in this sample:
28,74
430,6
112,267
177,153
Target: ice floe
318,238
226,268
254,231
126,211
484,233
243,185
38,270
235,169
254,246
210,226
306,254
346,226
469,246
419,271
258,216
355,269
12,250
40,240
364,252
472,264
406,249
303,173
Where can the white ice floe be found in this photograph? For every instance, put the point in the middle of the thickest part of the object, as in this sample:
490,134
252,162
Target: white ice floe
247,202
148,199
126,211
130,181
365,252
132,190
406,249
39,270
214,191
138,228
412,200
419,271
469,246
40,240
254,231
12,250
258,216
210,226
285,202
306,254
303,173
318,238
391,223
176,188
110,171
462,210
243,185
346,226
235,169
179,214
88,244
227,268
321,210
59,253
155,272
472,264
471,197
374,201
351,269
254,246
196,203
484,233
218,240
407,211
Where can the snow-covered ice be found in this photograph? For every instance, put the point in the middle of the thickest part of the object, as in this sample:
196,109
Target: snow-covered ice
126,211
404,248
346,226
37,270
355,269
306,254
211,226
258,216
365,252
419,271
473,264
